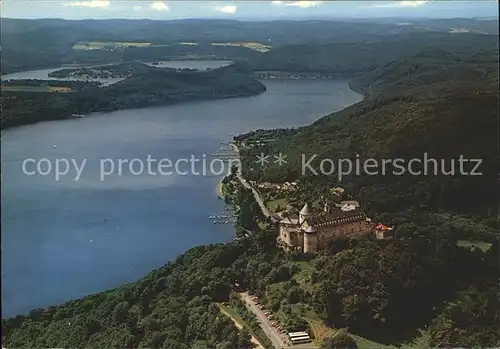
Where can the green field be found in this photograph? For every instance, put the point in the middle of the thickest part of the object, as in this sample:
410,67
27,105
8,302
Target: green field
256,46
275,204
482,245
17,88
421,341
234,314
99,45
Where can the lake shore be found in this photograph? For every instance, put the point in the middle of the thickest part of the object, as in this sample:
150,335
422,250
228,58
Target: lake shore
157,129
218,189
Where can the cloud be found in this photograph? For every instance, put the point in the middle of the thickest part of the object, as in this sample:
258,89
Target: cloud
137,8
304,4
228,9
159,6
301,4
415,3
89,3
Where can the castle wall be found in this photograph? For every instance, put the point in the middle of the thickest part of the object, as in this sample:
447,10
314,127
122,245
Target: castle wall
285,235
310,242
294,237
291,236
352,229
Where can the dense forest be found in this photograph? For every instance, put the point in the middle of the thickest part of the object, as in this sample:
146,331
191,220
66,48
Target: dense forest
440,102
146,86
348,59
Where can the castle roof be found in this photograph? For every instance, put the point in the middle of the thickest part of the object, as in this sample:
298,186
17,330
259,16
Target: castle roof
311,229
336,218
382,227
289,220
305,210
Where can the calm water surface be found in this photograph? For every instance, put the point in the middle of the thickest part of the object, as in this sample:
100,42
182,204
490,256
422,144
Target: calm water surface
65,239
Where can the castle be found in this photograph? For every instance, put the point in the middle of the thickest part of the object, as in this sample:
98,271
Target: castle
310,232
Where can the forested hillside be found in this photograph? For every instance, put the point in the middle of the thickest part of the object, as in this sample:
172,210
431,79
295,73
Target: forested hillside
173,307
382,290
440,102
31,44
351,58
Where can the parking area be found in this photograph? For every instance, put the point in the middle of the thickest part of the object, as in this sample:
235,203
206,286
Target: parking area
270,326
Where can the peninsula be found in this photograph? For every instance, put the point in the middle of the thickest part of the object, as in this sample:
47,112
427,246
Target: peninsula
144,86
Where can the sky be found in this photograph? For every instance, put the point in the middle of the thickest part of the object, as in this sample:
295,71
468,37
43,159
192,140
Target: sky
249,10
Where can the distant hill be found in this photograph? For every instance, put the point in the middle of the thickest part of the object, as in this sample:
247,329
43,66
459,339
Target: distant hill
45,43
351,58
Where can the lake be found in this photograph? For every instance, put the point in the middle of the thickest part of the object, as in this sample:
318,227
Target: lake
63,239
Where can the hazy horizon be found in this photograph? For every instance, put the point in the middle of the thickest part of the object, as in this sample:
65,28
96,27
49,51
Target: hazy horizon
247,10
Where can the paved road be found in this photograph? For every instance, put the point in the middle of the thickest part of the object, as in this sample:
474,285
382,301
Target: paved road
277,338
254,340
247,185
269,330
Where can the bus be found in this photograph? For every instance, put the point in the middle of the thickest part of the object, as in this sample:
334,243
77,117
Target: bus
300,340
299,337
297,334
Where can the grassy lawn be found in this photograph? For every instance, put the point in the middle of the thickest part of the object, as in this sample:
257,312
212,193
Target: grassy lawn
256,46
97,45
302,277
26,88
320,331
273,205
484,246
257,332
234,314
419,342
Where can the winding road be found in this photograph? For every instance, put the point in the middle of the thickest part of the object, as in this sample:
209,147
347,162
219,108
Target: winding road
247,185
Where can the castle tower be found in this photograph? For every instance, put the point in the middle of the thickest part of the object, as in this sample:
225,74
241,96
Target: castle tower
304,214
310,239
